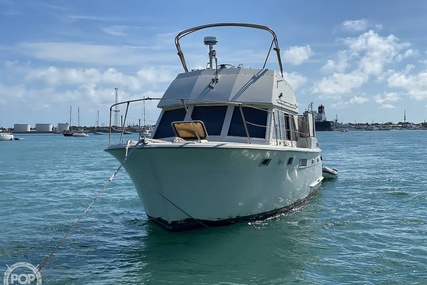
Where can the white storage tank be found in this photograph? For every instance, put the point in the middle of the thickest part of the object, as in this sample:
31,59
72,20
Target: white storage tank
43,127
21,128
62,127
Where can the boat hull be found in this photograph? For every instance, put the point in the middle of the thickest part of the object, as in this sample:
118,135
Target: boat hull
329,173
188,185
6,137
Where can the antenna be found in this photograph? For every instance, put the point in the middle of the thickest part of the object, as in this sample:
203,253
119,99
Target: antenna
116,109
211,41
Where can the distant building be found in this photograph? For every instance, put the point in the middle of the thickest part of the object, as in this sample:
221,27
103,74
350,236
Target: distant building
21,128
43,128
63,127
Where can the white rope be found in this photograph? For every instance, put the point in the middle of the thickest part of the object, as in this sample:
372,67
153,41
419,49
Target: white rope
43,264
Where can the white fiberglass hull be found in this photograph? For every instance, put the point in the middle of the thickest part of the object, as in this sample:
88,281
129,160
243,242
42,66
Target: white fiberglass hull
6,137
210,183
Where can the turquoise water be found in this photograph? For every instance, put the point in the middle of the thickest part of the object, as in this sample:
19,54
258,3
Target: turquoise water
368,227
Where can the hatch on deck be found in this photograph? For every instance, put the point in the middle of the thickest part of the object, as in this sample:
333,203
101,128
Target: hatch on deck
194,130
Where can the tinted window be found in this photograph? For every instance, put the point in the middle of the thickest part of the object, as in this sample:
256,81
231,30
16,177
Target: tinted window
164,129
211,116
256,121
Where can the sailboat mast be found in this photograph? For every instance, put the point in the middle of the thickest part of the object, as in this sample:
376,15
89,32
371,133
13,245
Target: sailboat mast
144,112
116,109
71,110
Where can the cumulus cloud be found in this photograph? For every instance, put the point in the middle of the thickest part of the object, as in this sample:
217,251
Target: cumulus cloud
55,76
297,55
387,100
333,66
415,85
374,51
354,100
295,80
366,57
49,88
355,25
339,83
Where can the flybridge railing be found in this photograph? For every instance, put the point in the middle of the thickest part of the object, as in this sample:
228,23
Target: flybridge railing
114,109
273,46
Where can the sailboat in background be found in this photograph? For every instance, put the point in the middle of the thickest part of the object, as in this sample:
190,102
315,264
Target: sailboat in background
69,132
80,132
96,132
146,130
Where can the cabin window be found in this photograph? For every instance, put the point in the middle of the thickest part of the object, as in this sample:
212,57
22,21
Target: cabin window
288,127
303,162
256,121
294,127
274,131
164,129
211,116
303,126
281,126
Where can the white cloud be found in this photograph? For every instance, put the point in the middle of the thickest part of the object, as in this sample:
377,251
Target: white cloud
355,25
295,80
355,100
92,53
297,55
415,85
358,100
387,100
56,77
335,66
366,57
117,30
49,89
374,51
339,83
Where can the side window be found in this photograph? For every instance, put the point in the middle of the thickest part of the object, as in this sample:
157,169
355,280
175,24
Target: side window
294,127
282,126
211,116
256,121
288,127
164,129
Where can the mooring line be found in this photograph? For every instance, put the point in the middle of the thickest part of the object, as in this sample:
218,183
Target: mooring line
46,260
167,199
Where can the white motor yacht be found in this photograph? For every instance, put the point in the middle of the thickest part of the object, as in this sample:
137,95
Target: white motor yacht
229,144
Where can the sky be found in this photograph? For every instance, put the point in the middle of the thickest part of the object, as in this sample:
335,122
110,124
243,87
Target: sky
365,61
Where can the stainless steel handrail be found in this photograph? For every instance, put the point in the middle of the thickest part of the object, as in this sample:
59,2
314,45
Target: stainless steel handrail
274,42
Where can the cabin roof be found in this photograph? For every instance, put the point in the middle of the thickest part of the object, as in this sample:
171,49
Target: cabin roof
243,85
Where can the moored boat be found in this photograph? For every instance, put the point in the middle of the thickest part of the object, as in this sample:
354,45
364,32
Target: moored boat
229,145
68,133
80,134
329,173
6,136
